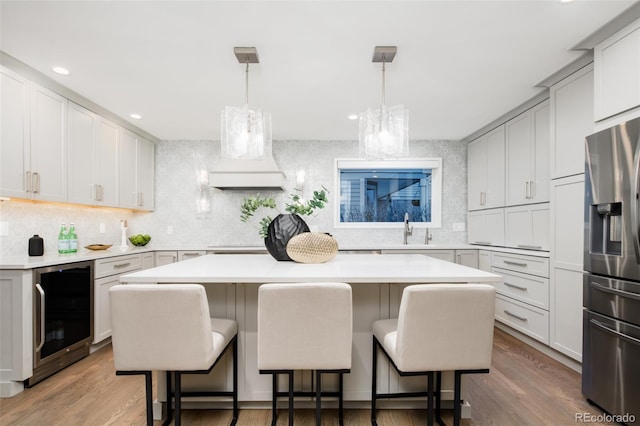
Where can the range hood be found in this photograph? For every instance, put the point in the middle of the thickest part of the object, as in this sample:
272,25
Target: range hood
261,174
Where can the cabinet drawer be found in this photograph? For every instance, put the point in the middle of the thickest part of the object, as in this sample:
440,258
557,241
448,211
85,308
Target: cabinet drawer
117,265
527,319
525,288
520,263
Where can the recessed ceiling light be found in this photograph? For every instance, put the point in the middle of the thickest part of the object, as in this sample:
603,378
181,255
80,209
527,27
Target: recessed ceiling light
60,70
136,116
352,116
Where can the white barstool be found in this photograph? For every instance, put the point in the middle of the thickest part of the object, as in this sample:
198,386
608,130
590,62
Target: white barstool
168,328
305,326
440,327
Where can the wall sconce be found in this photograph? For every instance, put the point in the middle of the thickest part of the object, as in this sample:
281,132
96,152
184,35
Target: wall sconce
203,201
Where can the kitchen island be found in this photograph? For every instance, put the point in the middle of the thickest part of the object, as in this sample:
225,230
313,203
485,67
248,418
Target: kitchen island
232,281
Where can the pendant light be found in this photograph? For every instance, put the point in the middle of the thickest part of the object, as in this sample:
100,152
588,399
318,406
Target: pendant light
384,132
245,133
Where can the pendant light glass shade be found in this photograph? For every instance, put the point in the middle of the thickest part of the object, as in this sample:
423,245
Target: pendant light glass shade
384,132
246,134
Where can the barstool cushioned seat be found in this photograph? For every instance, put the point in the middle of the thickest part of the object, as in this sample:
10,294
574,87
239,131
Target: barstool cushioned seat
167,327
440,327
304,326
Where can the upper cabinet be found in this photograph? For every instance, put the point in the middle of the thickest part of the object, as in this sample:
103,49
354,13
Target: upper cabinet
14,145
486,168
93,159
527,156
55,150
136,172
617,72
571,122
33,149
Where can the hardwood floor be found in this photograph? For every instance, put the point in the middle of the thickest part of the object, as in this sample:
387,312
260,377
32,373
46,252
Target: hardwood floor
524,387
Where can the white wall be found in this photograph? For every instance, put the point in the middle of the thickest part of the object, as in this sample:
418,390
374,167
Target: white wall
178,164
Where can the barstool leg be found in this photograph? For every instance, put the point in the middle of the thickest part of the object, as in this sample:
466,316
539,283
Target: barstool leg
456,398
374,382
149,396
439,398
169,402
430,399
318,396
178,398
291,398
235,381
274,399
341,398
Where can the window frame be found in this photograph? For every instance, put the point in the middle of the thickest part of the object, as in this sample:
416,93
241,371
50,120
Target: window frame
435,164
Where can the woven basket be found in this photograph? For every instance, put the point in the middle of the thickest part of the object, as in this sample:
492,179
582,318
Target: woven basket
312,247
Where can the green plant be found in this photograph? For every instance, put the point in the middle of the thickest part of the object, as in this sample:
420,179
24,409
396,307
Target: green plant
297,206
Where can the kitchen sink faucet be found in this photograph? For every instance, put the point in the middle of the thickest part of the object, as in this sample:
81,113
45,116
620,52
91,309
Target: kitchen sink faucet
408,230
427,237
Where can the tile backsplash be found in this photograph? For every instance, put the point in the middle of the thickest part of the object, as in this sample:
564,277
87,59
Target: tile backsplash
199,216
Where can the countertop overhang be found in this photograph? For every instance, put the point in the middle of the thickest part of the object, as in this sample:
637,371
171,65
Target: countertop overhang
350,268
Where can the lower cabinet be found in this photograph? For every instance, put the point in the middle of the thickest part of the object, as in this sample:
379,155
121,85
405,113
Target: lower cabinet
466,257
189,254
522,299
166,257
107,273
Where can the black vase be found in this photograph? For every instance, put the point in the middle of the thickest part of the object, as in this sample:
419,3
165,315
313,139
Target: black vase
281,229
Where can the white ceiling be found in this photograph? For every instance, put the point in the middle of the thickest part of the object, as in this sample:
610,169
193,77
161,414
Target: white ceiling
460,64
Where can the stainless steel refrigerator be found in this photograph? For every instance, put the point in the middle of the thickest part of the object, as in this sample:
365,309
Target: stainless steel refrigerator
611,322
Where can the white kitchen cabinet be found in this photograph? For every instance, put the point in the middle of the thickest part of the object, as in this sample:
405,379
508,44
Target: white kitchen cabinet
48,124
190,254
93,158
486,170
567,230
484,260
148,260
34,140
617,72
527,156
136,171
527,227
522,300
107,273
571,122
145,184
486,227
467,258
16,331
165,257
15,141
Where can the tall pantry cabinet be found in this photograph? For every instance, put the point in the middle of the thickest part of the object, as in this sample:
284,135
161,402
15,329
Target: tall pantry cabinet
571,121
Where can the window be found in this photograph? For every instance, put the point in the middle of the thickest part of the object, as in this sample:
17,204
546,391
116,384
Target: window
377,194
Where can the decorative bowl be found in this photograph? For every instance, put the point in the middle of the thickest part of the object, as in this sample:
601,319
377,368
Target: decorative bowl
140,240
98,246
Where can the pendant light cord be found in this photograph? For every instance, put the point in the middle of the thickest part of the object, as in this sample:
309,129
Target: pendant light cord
246,84
383,82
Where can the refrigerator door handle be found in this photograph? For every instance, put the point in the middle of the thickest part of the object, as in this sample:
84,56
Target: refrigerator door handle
635,206
617,292
615,333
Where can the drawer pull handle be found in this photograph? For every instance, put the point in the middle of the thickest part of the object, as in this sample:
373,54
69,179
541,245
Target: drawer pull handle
482,242
515,286
511,314
121,265
616,333
617,292
509,262
529,247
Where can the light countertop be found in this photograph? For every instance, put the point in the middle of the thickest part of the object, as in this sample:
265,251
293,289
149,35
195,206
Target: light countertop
351,268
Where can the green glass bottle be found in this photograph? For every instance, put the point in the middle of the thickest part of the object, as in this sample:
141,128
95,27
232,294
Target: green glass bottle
73,239
63,242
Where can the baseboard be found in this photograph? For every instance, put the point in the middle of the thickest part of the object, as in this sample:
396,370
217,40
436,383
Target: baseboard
9,389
